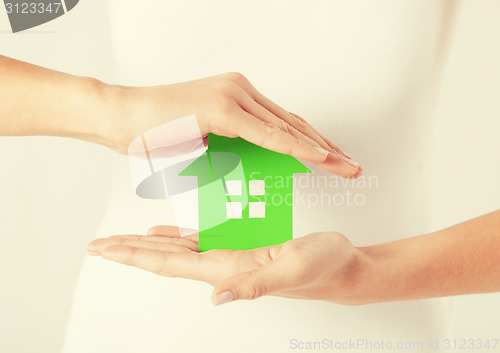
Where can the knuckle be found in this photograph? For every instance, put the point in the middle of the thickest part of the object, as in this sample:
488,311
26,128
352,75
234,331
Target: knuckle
257,290
300,124
133,257
236,77
298,117
300,143
270,129
226,88
177,241
286,127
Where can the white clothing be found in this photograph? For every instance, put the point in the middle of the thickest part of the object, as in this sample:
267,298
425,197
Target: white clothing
363,74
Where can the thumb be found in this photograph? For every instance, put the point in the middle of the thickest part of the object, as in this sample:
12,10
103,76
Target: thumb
257,283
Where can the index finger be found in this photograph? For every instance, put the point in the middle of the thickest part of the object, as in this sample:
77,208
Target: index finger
173,231
269,136
169,264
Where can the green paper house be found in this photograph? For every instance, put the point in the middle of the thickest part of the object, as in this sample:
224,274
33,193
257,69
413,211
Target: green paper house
245,194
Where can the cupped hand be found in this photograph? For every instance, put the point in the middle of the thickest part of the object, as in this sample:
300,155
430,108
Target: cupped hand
319,266
228,105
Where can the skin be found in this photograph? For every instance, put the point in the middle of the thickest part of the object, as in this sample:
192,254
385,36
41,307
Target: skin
39,101
324,266
462,259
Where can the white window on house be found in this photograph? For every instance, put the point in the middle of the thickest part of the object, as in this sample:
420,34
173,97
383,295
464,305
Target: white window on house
233,210
257,210
233,187
257,187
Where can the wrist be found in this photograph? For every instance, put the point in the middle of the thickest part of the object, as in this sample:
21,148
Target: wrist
109,123
129,111
94,106
355,279
371,277
392,271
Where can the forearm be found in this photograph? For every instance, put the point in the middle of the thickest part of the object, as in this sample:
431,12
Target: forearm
39,101
462,259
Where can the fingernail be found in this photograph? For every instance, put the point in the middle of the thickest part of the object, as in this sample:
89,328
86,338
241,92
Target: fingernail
346,154
91,253
321,150
350,161
223,298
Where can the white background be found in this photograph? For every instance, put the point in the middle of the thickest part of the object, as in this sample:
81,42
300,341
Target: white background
53,191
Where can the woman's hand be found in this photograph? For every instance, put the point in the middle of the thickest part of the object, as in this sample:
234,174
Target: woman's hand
318,266
115,116
326,266
227,105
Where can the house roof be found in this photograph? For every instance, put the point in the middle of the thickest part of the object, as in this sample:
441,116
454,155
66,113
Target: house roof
225,155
